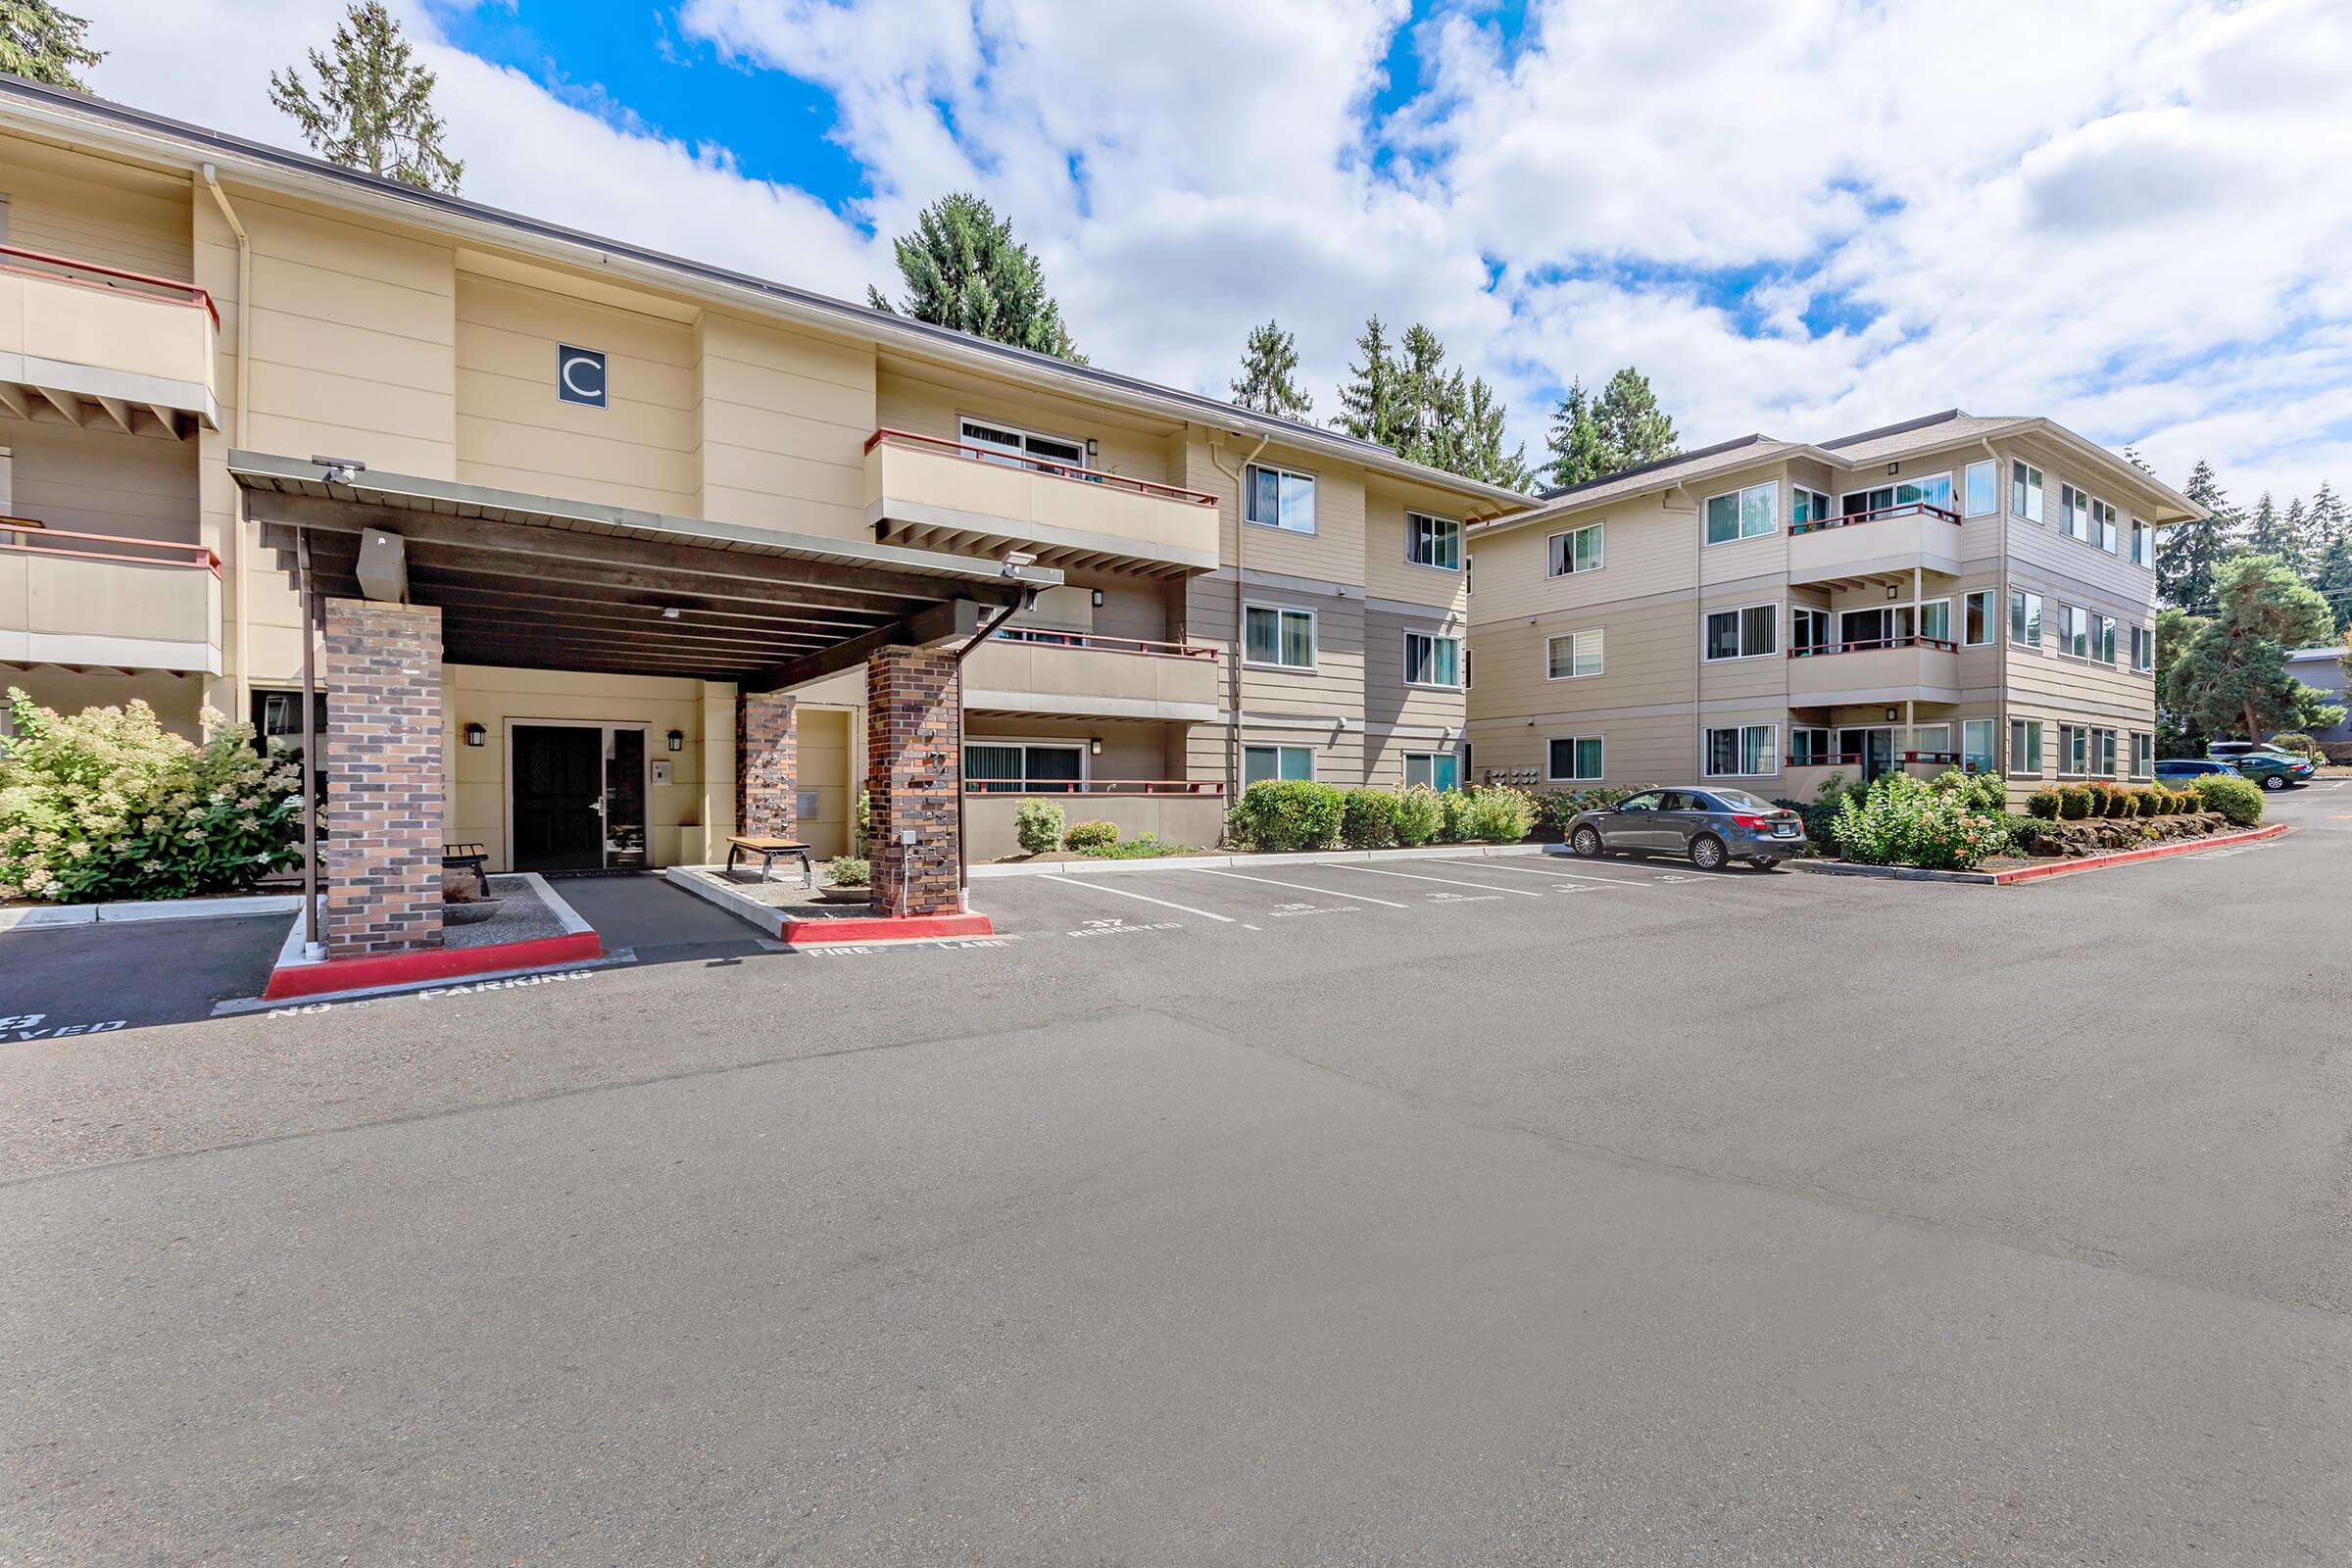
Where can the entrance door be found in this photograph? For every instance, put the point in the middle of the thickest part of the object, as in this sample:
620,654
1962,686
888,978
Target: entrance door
1876,747
559,797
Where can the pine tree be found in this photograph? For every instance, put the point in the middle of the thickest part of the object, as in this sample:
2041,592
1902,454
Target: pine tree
1270,369
1471,445
2331,578
2231,676
373,108
42,43
1371,406
1634,430
1575,443
1427,403
963,269
2186,553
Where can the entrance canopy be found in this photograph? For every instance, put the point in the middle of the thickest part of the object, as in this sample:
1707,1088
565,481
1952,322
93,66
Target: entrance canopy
543,583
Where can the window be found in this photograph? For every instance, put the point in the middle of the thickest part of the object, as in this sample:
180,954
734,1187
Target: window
1283,638
1277,498
2025,746
1747,633
1573,757
1976,745
1931,740
993,441
2102,743
1577,653
1577,550
1811,506
1744,752
1931,490
2025,491
2102,638
1743,513
1433,542
2025,619
2073,750
1976,618
2103,525
1979,484
2143,544
1808,745
1019,767
1432,660
1935,621
2074,632
2143,754
1808,628
1440,770
1261,763
2143,649
2074,513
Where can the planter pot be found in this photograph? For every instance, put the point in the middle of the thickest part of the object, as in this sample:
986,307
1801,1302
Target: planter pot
470,914
838,895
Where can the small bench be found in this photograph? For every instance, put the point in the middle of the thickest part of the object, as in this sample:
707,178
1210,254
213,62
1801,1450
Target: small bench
468,858
768,850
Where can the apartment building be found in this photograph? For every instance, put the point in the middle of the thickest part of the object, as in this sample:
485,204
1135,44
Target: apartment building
666,520
1952,591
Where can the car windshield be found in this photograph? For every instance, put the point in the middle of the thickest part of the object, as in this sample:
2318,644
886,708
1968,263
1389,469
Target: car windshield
1742,801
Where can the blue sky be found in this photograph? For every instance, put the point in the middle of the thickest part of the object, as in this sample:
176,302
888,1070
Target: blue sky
1805,217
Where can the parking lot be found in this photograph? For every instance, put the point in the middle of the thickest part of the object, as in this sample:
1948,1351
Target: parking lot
1450,1210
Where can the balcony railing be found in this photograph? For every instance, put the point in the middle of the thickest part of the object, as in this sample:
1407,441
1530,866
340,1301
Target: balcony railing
90,275
26,535
1863,644
1856,758
73,598
1909,509
971,453
1042,637
1092,786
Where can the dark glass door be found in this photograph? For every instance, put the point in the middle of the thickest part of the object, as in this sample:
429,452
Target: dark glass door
624,802
559,797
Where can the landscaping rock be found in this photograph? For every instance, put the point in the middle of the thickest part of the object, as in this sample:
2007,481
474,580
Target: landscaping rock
2106,835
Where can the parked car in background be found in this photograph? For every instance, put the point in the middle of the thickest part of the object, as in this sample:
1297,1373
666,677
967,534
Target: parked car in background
2187,769
2274,770
2230,750
1711,826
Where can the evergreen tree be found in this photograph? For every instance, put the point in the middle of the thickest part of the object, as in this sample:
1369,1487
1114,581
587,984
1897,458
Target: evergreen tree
40,42
1404,398
2328,533
963,269
1469,439
1371,399
1634,430
373,107
2231,674
2186,553
1269,371
1426,406
2175,737
1575,443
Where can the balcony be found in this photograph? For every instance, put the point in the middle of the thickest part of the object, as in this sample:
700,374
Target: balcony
1031,671
936,493
1182,811
106,348
1881,671
1892,539
96,598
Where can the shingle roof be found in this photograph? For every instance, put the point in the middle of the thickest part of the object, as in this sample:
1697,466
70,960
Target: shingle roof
1919,435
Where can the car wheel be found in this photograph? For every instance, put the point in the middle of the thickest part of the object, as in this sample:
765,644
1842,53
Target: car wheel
1706,853
1765,863
2274,781
1585,842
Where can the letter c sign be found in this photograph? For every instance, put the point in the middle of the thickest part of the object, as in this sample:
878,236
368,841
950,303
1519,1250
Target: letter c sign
580,375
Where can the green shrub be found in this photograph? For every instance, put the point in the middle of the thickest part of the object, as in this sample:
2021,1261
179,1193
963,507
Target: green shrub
1368,819
1901,821
2117,800
1036,824
1500,814
2237,798
2302,745
1142,847
1286,815
1419,816
1088,837
2075,802
108,803
1556,808
1454,816
1983,792
2043,803
1817,815
849,871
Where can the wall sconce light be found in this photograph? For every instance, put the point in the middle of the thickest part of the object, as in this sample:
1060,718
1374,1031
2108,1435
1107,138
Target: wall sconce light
1895,468
1890,716
1094,746
475,734
677,740
1093,445
1097,599
1892,590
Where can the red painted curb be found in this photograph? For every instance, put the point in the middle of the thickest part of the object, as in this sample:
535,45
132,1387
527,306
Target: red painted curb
880,928
2096,862
430,963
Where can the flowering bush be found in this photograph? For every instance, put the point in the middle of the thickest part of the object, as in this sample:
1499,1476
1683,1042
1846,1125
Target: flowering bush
108,803
1900,821
1419,816
1037,826
1500,814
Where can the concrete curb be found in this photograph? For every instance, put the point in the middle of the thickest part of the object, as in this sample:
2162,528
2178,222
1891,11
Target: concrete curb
841,930
37,918
299,976
2039,873
1212,862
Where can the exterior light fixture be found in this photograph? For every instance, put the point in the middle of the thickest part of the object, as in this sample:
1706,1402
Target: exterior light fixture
677,740
1094,746
669,612
475,734
1097,599
1890,716
1892,590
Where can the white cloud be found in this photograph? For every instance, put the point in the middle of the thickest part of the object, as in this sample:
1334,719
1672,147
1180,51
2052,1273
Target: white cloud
2126,213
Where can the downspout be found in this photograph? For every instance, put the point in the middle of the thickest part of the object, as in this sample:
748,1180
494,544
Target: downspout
1997,620
1699,644
237,520
1233,663
963,857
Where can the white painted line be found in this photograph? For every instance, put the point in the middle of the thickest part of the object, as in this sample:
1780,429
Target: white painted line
1451,882
1093,886
1581,876
1300,887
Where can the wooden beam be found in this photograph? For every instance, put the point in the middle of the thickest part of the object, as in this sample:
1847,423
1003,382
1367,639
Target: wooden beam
463,621
438,588
12,398
116,409
64,403
958,621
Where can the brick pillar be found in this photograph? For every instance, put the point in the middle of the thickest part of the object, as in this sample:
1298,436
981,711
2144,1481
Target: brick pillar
382,672
912,775
766,775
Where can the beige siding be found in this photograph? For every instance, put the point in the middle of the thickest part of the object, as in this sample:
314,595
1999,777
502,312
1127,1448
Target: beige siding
1387,575
785,417
934,403
88,208
91,481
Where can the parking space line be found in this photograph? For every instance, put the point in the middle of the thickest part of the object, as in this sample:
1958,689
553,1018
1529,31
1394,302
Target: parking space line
1451,882
1094,885
1546,870
1300,887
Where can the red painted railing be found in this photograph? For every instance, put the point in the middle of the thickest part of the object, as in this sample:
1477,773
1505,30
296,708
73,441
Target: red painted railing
1855,759
1909,509
972,453
1869,644
15,535
90,275
1092,786
1116,645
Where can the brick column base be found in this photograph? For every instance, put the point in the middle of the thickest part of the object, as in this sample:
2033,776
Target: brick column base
382,672
766,769
912,773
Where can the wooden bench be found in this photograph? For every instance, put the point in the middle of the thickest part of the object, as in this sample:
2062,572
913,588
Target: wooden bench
468,858
768,850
